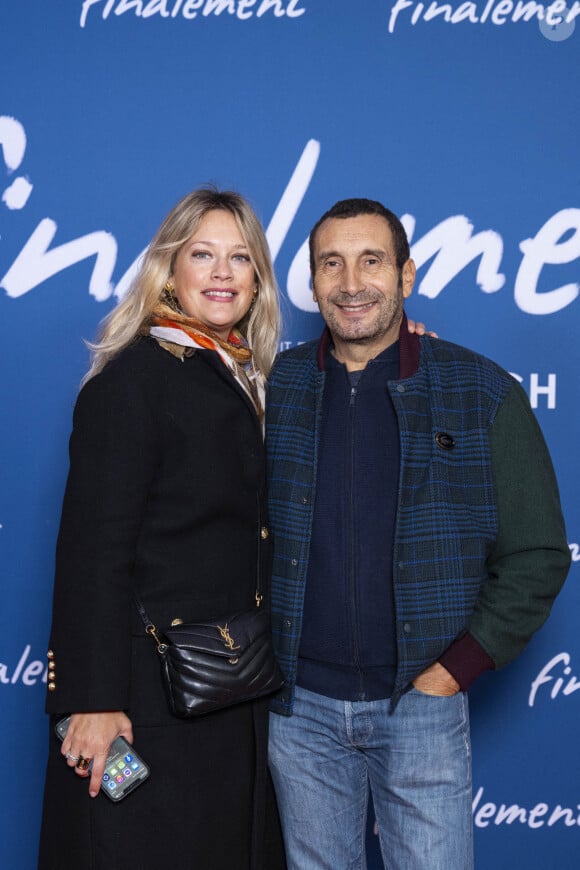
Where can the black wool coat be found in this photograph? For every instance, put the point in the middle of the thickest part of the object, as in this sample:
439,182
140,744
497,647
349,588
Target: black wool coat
165,497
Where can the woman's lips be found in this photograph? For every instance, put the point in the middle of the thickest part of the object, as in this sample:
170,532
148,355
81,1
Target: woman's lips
219,295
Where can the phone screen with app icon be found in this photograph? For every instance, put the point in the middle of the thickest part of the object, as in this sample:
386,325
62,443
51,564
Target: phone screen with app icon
124,770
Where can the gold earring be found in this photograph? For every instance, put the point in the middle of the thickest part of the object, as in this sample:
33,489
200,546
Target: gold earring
254,297
169,297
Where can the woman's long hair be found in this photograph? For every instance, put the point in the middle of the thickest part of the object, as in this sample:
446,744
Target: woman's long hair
260,326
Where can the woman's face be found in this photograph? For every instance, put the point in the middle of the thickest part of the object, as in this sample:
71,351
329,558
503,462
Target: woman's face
213,276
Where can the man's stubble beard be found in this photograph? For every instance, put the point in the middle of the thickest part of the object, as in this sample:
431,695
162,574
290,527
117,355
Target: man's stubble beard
389,315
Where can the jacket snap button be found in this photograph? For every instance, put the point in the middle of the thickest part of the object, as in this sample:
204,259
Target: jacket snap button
447,442
407,628
264,533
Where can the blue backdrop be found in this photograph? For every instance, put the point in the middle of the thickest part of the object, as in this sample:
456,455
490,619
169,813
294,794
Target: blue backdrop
462,117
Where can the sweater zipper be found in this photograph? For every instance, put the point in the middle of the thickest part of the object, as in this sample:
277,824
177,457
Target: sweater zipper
352,545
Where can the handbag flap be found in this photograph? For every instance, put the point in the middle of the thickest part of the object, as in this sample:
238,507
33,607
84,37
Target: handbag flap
225,637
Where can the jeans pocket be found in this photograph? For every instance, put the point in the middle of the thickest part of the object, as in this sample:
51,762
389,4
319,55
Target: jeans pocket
432,694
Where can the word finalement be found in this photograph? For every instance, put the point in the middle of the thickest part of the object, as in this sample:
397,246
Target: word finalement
496,12
26,672
557,677
445,249
190,9
534,817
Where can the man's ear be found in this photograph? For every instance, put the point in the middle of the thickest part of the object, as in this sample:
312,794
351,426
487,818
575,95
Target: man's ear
314,296
408,274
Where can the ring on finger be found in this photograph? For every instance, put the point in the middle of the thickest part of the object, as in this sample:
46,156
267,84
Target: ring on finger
72,757
83,763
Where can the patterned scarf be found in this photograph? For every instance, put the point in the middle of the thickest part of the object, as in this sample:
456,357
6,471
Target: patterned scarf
175,330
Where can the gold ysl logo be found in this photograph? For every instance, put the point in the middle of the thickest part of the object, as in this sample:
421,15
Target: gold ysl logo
228,640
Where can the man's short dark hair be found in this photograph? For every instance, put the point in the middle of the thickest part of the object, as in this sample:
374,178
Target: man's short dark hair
350,208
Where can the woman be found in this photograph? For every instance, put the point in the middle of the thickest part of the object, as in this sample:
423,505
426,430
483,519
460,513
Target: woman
165,498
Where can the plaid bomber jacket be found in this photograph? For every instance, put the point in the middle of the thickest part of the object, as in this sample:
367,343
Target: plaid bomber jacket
457,566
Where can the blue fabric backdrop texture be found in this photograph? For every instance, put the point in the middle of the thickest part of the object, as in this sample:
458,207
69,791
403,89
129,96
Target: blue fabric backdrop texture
461,116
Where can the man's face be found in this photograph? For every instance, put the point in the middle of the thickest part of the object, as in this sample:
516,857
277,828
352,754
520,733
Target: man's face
356,283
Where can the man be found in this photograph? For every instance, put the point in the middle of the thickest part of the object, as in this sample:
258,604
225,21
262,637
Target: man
419,542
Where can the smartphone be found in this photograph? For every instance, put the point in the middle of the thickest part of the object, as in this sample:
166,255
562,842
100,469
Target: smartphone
124,770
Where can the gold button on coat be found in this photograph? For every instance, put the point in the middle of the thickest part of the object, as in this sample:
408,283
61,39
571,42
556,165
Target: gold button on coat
264,533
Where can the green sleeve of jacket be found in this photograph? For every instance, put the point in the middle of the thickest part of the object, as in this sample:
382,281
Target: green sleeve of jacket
530,559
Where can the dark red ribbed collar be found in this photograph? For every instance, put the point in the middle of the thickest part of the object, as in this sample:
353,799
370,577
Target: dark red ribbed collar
409,350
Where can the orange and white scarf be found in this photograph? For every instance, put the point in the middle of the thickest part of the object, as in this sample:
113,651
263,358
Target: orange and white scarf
175,328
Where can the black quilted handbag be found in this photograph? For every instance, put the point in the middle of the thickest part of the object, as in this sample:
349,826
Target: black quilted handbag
217,663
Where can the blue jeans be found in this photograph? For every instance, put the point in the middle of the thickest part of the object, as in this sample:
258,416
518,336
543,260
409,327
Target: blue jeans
417,761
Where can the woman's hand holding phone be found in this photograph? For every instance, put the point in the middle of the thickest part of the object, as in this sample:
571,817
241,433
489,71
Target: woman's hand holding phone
89,736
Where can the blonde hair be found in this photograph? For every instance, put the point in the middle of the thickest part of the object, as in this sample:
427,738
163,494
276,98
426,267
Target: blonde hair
260,326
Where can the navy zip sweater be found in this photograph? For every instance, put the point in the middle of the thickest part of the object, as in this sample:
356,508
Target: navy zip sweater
348,644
